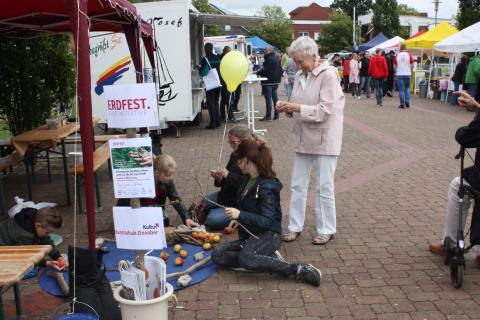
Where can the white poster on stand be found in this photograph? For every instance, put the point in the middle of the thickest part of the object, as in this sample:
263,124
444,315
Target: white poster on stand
132,168
139,229
131,105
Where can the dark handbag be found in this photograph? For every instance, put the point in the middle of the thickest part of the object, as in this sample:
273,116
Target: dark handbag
198,211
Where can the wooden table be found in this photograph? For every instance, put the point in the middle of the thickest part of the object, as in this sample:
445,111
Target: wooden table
15,262
98,138
41,139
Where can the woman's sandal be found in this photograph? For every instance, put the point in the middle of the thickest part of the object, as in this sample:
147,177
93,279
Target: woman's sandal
322,239
290,236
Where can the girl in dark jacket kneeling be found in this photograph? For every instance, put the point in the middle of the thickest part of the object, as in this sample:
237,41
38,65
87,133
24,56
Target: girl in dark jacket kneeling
260,212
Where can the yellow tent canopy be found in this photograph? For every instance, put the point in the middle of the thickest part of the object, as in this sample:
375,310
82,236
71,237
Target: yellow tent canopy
431,37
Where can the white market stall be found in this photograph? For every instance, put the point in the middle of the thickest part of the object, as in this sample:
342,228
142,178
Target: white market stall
467,40
390,43
424,44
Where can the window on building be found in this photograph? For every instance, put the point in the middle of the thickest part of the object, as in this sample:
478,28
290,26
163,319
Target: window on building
303,34
316,35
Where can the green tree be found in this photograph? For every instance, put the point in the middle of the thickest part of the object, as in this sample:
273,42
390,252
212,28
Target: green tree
385,17
36,75
405,10
202,6
468,13
346,6
276,29
337,35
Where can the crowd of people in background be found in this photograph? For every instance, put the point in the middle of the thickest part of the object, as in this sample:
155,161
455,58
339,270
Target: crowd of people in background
385,72
363,74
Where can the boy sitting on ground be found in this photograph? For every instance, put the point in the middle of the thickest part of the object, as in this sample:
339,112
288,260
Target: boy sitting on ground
32,227
164,169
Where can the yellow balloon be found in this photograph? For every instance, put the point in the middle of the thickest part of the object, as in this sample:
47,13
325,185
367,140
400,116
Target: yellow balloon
234,69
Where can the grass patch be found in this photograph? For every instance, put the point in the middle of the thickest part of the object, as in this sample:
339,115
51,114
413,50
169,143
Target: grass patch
4,131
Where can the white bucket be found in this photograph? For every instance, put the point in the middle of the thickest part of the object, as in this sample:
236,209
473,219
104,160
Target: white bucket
145,310
74,158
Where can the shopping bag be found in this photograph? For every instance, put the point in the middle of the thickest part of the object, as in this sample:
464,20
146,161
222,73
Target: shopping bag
211,80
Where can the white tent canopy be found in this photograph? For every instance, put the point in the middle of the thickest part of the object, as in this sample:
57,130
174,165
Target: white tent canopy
387,44
467,40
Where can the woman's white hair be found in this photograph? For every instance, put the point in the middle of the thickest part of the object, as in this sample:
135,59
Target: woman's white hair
305,46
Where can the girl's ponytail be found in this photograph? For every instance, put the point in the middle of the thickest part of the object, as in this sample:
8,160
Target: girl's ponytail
265,162
259,154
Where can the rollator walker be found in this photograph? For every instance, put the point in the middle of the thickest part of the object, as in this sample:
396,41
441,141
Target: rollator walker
454,251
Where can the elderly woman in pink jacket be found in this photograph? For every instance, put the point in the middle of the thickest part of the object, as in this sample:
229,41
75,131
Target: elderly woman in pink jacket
316,106
354,76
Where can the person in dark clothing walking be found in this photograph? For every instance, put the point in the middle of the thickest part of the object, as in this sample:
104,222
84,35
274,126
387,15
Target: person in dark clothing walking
346,73
390,58
227,99
459,78
259,211
273,72
364,75
211,60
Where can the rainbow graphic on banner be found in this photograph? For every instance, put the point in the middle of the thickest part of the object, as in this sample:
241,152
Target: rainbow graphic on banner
112,74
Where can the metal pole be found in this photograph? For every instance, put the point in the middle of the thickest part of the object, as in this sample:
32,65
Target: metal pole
80,27
436,3
354,40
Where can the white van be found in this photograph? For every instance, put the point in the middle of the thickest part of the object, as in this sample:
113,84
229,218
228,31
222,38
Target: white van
178,32
236,42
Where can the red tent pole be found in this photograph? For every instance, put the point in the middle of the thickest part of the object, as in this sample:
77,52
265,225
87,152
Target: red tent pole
80,33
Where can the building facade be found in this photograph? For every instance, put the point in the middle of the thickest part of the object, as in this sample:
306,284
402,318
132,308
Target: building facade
308,21
413,23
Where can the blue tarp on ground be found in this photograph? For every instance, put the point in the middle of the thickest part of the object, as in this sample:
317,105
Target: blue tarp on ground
379,38
111,259
258,44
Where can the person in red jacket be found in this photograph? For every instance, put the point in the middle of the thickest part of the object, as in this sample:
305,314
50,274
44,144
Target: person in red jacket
379,72
346,72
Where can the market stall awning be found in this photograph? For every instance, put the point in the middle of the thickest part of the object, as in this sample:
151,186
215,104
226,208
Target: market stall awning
227,20
467,40
431,37
258,44
28,18
390,43
24,17
379,38
419,33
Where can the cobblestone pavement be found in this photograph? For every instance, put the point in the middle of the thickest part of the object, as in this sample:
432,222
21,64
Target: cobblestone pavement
391,187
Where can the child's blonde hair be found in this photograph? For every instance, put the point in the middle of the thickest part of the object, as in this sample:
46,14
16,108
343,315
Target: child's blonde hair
164,162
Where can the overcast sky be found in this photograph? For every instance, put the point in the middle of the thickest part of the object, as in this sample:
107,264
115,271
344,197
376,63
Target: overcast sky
447,8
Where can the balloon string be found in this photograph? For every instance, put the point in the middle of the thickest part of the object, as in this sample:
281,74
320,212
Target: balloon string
224,131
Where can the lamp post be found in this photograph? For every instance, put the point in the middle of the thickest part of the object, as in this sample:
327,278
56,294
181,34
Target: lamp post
354,40
436,3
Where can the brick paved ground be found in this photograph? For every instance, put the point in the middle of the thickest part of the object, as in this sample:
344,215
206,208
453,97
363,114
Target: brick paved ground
391,186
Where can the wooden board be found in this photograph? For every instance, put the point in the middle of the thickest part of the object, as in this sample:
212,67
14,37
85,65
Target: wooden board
97,139
100,156
16,261
13,271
